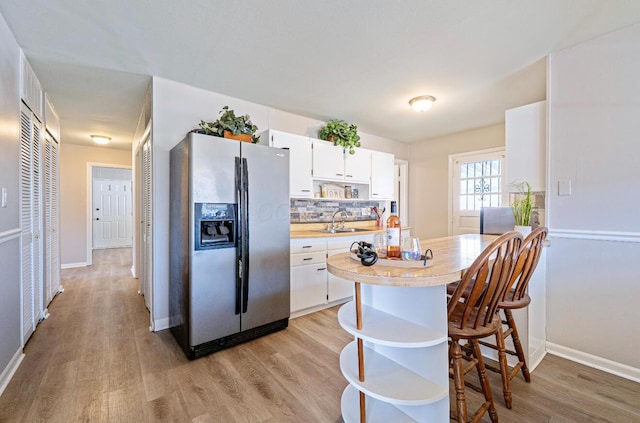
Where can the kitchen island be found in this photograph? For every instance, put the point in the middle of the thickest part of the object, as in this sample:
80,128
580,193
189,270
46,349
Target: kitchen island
397,366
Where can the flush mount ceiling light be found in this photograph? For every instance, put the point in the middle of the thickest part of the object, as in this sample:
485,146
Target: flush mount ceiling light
100,139
422,103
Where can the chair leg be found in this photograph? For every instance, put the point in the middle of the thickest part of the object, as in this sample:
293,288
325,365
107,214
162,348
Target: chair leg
484,381
504,368
516,342
458,380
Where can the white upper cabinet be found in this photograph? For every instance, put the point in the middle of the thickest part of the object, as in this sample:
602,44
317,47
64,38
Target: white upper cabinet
382,177
300,183
328,161
334,164
525,137
357,167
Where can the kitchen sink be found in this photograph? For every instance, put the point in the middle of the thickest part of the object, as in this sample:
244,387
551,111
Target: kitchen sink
342,230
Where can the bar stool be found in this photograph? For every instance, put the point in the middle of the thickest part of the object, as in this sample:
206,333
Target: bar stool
517,298
472,311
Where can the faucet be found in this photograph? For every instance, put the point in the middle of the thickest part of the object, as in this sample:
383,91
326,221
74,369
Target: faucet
333,218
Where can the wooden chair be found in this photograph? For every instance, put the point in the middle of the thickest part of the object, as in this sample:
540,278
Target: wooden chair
474,316
517,298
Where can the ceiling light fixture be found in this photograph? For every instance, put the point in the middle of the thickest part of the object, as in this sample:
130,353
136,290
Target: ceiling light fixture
422,103
100,139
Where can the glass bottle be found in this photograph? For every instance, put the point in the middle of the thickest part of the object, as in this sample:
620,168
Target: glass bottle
393,233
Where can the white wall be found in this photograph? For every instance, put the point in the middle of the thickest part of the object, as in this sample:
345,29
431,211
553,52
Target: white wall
178,108
429,174
10,322
593,281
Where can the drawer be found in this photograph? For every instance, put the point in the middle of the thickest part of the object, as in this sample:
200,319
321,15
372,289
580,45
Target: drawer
308,258
307,245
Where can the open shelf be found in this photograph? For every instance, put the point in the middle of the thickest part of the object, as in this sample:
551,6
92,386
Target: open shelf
386,329
387,380
376,411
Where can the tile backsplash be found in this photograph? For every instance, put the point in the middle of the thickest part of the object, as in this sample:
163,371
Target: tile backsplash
308,211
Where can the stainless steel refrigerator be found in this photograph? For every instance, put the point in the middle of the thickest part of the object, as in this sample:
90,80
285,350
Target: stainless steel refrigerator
229,242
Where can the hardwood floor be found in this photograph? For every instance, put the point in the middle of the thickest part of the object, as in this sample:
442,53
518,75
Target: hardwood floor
94,360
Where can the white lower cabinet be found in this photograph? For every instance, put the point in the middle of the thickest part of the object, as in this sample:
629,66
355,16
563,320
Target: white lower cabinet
338,288
312,287
308,286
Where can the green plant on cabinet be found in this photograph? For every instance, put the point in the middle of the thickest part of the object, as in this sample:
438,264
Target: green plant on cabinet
342,134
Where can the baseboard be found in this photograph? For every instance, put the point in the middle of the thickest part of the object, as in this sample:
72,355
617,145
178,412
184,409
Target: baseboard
10,370
133,271
160,324
72,265
535,358
594,361
313,309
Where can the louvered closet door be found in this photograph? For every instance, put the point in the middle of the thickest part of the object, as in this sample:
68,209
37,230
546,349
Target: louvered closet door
51,241
30,222
146,229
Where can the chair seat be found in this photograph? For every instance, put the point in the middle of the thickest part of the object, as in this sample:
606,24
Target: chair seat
469,332
514,304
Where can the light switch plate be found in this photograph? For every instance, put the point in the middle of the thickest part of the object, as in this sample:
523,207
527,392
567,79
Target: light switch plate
564,187
366,211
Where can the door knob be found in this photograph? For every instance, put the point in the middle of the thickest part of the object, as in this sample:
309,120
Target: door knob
97,218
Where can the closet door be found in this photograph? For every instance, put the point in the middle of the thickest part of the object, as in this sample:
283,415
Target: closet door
51,241
146,221
30,222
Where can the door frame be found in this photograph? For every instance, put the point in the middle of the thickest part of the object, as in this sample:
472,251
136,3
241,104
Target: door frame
90,166
452,159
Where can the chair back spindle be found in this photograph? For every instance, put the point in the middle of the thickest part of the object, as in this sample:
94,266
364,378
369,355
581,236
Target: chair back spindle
487,281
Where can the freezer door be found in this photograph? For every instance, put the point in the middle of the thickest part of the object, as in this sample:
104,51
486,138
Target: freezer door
266,254
213,169
213,290
213,295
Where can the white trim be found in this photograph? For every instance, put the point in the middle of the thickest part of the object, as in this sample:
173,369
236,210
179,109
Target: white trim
160,324
594,361
10,234
536,358
10,370
90,166
133,274
73,265
595,235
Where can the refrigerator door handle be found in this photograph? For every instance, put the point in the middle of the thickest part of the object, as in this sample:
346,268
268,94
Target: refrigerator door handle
245,223
239,212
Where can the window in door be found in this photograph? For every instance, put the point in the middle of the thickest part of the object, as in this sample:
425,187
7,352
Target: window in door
477,180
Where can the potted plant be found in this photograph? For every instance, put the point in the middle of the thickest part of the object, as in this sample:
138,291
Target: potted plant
341,134
521,207
228,125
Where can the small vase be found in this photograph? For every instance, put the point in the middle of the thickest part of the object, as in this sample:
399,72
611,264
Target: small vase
524,230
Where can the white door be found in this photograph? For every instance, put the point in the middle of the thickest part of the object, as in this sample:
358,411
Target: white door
300,182
477,180
30,222
51,220
328,161
111,213
146,273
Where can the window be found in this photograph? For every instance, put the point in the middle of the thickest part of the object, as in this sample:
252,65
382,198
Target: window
480,184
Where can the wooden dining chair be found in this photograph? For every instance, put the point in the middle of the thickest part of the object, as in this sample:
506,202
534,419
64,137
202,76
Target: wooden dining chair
472,314
516,298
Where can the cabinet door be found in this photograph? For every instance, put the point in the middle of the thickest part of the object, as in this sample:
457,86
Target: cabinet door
382,176
357,167
300,183
338,288
308,286
328,161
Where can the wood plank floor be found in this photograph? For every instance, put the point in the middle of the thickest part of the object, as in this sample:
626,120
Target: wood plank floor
94,360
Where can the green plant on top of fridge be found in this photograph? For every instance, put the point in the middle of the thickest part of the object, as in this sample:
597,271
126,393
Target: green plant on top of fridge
230,122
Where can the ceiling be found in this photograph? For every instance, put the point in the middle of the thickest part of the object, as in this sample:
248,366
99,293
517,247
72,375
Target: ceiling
356,60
